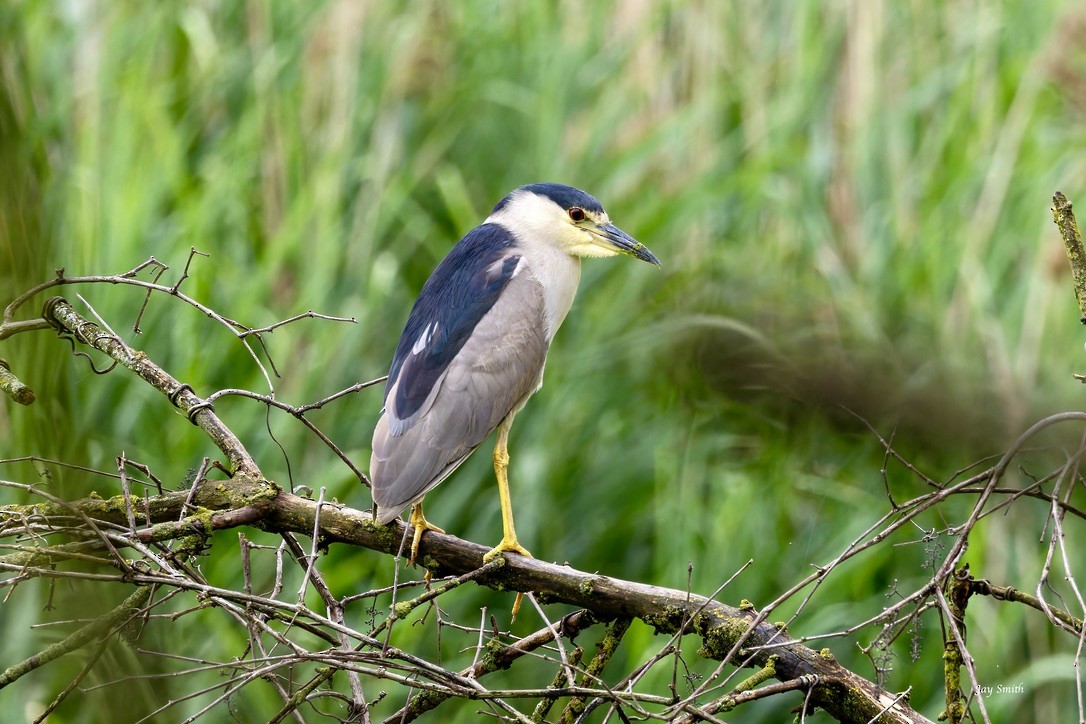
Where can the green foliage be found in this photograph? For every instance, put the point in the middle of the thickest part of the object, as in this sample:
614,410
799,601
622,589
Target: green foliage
849,200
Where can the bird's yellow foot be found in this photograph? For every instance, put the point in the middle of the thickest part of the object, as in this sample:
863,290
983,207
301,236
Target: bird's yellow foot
421,525
508,545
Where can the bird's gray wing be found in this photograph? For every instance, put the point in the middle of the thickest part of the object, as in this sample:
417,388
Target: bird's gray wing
498,367
460,292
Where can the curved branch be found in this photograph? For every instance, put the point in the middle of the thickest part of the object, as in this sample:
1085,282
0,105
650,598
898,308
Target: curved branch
59,313
8,329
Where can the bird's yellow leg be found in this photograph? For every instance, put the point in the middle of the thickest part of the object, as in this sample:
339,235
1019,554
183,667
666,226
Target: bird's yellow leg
509,542
421,525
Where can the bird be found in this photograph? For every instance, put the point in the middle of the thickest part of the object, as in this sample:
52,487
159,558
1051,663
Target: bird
475,344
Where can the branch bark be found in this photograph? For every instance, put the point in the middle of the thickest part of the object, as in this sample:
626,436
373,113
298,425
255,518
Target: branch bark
1064,217
13,386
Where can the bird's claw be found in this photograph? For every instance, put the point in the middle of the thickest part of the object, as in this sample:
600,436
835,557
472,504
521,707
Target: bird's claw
421,525
506,546
418,537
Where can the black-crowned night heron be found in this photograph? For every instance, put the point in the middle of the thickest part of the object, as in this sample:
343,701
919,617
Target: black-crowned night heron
475,344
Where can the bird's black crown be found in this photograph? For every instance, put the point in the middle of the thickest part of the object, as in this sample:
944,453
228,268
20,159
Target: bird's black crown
565,196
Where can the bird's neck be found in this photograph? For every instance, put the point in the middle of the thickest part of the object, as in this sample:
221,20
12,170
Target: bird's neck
558,275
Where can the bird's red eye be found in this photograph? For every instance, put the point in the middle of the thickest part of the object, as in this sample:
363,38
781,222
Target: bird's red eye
576,213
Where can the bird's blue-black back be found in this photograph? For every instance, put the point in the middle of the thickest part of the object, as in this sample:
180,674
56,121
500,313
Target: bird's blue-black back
459,293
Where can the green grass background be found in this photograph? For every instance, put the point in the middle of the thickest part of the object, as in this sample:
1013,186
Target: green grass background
850,201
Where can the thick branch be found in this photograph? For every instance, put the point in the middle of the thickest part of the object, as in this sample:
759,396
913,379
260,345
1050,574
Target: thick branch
845,695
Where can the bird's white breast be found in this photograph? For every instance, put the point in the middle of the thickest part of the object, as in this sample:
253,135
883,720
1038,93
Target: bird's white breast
558,275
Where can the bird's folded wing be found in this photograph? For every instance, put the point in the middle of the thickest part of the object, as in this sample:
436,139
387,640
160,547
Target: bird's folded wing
499,365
